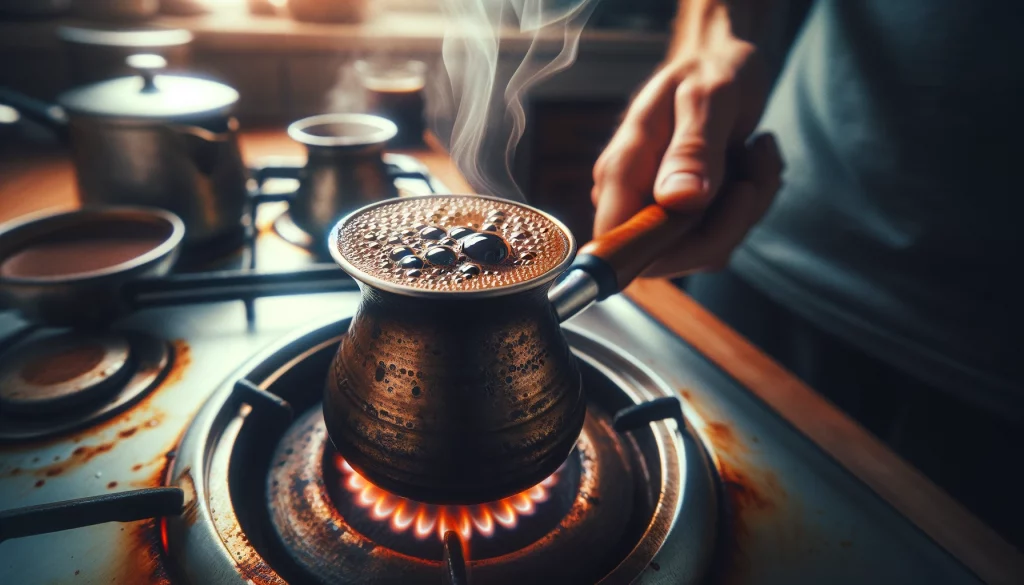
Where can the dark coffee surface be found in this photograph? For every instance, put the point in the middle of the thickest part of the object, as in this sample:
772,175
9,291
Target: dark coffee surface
70,257
459,243
404,105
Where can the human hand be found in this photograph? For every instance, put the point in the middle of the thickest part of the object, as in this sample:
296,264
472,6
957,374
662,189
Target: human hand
674,142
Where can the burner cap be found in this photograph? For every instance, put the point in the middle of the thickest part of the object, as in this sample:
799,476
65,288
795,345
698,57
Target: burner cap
146,365
55,372
327,529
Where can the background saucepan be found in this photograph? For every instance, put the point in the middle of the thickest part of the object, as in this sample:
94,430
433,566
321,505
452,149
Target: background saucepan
166,141
87,267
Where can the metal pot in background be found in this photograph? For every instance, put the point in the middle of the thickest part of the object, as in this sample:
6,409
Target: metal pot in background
164,141
88,267
95,54
66,295
343,172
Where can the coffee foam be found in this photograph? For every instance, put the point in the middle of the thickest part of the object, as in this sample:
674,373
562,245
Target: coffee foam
368,239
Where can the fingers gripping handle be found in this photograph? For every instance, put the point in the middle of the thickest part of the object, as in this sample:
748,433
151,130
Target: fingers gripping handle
620,255
610,262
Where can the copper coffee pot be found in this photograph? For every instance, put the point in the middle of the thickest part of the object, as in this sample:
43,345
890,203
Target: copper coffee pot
455,383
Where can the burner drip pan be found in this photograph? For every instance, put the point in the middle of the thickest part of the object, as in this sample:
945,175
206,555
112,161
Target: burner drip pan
57,372
327,535
58,383
266,501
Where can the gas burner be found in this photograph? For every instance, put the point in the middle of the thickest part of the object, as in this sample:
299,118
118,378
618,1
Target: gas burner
269,500
57,382
52,373
577,517
410,177
422,520
286,228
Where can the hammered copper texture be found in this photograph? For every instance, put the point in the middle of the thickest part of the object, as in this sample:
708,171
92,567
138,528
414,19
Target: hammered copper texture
448,401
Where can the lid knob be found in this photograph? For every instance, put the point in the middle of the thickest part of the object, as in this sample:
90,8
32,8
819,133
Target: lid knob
147,65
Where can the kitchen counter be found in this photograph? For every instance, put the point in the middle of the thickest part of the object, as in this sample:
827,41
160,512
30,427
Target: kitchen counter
44,180
38,182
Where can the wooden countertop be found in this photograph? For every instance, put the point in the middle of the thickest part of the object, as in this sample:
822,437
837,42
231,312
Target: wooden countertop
930,508
45,181
41,182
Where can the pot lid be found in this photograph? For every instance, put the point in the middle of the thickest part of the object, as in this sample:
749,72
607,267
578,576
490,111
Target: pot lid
139,39
151,96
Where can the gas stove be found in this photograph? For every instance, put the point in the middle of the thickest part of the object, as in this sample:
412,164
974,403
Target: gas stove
199,426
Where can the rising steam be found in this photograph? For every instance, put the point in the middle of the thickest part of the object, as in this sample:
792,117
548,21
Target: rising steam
488,84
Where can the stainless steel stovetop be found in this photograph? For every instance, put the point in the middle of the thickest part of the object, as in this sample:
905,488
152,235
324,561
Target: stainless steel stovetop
790,514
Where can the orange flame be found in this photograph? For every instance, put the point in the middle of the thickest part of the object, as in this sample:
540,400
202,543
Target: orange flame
425,519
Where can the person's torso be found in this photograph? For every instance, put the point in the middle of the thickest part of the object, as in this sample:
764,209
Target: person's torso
898,225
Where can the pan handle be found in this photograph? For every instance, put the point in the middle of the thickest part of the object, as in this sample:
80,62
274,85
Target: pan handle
625,251
278,167
233,285
126,506
52,116
607,264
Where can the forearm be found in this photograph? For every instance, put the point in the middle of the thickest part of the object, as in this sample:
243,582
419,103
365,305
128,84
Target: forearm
702,25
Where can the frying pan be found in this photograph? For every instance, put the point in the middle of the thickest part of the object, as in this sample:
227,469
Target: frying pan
94,298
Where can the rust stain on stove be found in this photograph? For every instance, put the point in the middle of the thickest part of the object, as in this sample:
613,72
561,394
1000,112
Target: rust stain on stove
723,438
749,494
139,417
257,571
86,453
143,559
79,456
161,469
182,358
754,503
753,496
250,564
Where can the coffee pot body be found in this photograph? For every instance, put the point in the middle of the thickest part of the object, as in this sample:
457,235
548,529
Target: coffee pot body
460,401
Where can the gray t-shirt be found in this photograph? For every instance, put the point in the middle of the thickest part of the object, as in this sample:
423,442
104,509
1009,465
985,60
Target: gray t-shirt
899,228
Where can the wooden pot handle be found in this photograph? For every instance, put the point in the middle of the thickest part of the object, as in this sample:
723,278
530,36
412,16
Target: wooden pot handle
633,246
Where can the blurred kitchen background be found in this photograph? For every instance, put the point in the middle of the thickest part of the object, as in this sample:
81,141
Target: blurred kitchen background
288,57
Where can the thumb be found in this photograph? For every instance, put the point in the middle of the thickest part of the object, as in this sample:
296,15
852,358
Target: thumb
692,167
